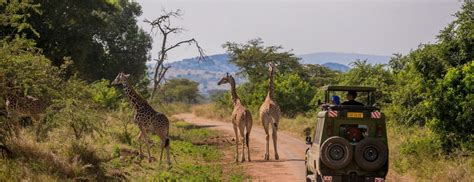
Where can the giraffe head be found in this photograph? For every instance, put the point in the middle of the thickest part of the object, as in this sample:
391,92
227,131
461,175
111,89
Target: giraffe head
226,79
272,67
121,79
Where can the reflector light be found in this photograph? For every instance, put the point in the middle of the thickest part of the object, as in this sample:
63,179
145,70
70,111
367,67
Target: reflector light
379,180
332,114
375,115
327,178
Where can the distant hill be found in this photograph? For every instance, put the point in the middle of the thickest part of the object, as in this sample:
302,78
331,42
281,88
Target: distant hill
208,72
341,58
336,67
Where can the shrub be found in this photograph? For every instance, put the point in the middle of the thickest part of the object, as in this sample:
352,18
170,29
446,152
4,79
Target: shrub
104,95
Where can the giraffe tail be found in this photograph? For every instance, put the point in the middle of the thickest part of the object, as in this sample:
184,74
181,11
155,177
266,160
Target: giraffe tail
275,124
167,142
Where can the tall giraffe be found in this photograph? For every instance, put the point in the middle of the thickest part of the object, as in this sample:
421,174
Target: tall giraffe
270,113
147,119
18,105
241,119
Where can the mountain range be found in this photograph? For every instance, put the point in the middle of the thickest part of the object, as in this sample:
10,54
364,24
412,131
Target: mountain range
208,72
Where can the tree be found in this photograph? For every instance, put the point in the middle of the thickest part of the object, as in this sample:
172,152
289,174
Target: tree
253,57
100,36
180,90
318,76
163,24
365,74
452,108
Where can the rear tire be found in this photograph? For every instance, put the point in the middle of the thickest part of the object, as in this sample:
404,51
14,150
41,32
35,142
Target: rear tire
336,152
371,154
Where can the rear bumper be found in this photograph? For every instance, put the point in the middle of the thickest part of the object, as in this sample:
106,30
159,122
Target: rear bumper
352,178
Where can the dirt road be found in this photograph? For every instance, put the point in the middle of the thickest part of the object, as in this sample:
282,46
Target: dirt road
290,167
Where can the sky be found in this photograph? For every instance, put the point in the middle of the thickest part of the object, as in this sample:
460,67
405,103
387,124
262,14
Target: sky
379,27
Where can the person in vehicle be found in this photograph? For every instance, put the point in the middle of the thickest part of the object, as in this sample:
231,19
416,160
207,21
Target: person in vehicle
335,100
350,96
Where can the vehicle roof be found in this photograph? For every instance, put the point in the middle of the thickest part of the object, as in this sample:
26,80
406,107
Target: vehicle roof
347,88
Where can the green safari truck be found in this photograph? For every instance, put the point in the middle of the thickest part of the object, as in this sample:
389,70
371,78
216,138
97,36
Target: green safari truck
349,142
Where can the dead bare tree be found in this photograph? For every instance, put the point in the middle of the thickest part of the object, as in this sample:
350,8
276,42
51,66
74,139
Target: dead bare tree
163,24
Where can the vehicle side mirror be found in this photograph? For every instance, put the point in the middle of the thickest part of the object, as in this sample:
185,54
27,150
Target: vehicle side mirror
308,140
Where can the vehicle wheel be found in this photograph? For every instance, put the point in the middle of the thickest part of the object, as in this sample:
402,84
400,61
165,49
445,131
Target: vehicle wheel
336,152
371,154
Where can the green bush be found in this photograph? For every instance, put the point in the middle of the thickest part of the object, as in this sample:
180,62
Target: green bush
452,108
104,95
74,110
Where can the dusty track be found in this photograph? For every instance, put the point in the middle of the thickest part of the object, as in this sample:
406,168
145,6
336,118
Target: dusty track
290,167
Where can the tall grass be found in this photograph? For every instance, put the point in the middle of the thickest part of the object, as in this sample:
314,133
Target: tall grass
112,154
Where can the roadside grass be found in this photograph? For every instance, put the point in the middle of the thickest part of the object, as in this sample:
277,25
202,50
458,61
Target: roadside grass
194,161
112,154
415,153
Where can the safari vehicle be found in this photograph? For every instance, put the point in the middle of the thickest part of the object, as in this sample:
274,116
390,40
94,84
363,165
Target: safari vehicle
350,141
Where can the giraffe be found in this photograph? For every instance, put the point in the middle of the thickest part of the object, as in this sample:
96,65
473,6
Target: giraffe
241,119
147,119
18,105
270,113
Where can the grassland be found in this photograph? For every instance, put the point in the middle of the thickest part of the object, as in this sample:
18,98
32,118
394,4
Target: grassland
111,154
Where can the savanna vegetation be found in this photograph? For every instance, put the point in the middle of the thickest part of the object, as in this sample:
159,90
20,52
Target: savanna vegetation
63,55
427,96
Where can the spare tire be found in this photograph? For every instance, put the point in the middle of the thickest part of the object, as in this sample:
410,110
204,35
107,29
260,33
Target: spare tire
336,152
371,154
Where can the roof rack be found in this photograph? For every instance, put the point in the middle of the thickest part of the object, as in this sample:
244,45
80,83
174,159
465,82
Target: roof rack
348,88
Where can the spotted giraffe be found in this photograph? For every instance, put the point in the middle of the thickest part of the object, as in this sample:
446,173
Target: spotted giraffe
270,113
147,119
241,119
18,105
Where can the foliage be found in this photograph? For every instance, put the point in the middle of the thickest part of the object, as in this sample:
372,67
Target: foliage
318,76
292,93
252,59
104,95
364,74
179,90
452,108
100,36
74,111
433,83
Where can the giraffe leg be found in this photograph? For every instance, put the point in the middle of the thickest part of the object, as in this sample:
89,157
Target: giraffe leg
267,137
247,139
139,139
168,153
274,135
244,141
236,144
248,128
147,143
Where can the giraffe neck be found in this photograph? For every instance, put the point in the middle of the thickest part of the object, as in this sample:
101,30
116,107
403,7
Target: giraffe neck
135,100
270,85
233,91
